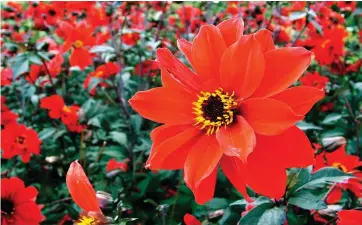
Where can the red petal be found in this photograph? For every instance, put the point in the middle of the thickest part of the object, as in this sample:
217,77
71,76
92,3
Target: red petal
264,37
237,140
268,116
204,192
288,149
164,105
283,67
169,82
335,195
81,57
191,220
231,30
234,170
177,69
243,62
264,176
207,50
202,160
185,48
171,153
349,217
301,99
81,189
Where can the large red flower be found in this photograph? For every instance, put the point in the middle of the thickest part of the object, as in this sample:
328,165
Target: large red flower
234,110
18,204
349,217
19,140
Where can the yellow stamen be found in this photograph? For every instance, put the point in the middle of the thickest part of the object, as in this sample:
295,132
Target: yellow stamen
214,110
86,220
78,44
99,74
339,166
325,43
66,109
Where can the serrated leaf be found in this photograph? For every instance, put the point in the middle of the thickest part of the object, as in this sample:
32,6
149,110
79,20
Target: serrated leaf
263,214
324,176
307,200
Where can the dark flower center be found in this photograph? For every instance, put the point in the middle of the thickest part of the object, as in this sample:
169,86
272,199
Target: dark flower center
20,139
52,12
7,206
213,108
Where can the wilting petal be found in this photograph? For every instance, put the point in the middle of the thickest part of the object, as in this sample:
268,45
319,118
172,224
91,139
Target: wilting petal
171,153
80,57
283,67
238,139
169,82
231,30
191,220
242,67
301,99
265,39
202,160
177,69
288,149
264,176
268,116
164,105
185,47
207,50
234,170
81,189
204,192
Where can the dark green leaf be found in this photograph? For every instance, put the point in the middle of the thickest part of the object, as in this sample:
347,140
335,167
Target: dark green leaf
307,200
264,214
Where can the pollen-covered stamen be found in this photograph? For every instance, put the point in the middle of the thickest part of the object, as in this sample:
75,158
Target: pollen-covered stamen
78,44
86,220
340,166
214,110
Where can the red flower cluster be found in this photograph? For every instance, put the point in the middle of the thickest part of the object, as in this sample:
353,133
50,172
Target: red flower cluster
58,110
18,206
7,116
211,120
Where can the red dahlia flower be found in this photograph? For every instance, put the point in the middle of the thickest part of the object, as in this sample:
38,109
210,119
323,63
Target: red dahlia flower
84,195
18,206
314,80
57,109
80,39
19,140
147,68
349,217
234,110
112,164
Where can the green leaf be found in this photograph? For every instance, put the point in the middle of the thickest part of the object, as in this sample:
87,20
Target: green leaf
119,137
258,201
296,15
331,118
217,203
308,126
324,176
101,49
94,81
307,200
33,58
297,177
20,65
263,214
294,219
46,133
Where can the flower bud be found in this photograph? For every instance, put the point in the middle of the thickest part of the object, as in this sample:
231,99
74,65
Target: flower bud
330,144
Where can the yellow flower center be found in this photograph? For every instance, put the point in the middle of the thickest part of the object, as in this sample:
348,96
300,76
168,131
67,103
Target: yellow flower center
66,109
78,44
86,220
214,110
99,74
339,166
325,43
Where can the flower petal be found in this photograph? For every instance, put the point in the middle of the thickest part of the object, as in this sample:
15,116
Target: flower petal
288,149
204,192
237,140
171,152
283,67
234,170
164,105
268,116
243,62
264,176
185,47
202,160
169,82
81,189
231,30
177,69
80,57
301,99
207,50
265,39
191,220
